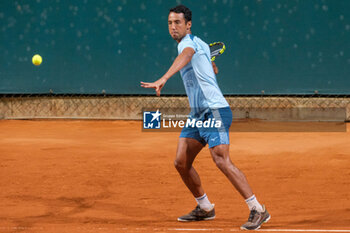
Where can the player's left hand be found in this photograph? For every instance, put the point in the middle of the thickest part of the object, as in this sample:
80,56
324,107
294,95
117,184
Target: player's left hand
215,68
157,85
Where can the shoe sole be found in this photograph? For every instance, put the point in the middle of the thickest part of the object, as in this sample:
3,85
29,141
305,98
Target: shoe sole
266,220
203,219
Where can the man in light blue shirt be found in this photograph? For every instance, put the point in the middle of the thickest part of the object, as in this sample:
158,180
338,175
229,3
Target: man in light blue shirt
199,77
207,103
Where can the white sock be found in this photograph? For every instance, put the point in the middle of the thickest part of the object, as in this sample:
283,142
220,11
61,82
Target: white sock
204,203
253,203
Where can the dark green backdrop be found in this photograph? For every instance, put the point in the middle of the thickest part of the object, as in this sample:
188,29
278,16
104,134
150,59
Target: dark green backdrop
279,46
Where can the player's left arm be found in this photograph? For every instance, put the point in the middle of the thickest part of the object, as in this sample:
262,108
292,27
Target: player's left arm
183,59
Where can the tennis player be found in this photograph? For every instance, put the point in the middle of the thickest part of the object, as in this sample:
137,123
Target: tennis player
206,101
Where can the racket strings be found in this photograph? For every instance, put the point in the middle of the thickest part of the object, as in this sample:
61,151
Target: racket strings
216,49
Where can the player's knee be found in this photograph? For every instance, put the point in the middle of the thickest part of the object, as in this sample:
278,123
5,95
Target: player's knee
220,161
180,165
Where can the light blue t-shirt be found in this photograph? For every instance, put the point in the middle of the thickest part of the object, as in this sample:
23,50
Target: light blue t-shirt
199,78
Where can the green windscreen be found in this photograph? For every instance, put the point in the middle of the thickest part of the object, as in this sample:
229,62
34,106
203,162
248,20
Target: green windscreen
109,46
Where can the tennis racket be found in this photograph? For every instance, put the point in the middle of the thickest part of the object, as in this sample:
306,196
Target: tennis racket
216,49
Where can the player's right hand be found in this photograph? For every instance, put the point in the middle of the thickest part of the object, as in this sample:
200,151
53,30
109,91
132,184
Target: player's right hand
215,68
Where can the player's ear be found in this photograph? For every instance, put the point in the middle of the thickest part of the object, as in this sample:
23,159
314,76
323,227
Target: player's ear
189,25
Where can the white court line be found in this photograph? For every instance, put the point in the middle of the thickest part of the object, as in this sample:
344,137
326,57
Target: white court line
195,229
142,229
305,230
273,230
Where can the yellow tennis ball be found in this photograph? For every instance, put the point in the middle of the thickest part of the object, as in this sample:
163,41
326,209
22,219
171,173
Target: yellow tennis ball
37,59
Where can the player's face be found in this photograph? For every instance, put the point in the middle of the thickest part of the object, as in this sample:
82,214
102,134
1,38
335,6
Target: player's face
178,28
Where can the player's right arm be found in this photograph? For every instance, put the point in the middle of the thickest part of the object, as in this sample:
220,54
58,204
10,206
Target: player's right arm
181,60
215,68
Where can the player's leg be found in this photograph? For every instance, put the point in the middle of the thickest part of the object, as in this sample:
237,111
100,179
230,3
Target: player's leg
219,144
218,140
220,155
188,149
258,213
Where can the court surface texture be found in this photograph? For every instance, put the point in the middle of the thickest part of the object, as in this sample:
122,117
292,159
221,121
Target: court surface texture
109,176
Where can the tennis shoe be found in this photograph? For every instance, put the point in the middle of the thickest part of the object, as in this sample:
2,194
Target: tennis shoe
198,214
256,219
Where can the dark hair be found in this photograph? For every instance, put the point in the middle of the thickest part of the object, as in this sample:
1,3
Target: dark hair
182,9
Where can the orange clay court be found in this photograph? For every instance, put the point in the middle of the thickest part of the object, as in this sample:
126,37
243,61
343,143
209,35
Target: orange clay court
109,176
